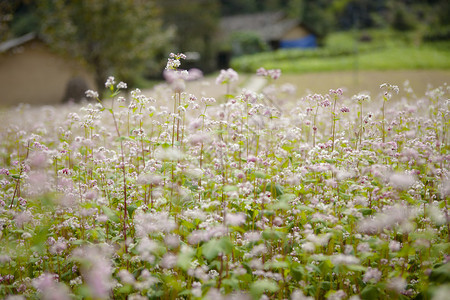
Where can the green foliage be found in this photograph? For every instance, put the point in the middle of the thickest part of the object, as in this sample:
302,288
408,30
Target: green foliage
441,274
387,50
113,37
231,7
119,200
195,23
247,43
371,292
213,248
257,288
7,10
325,16
25,23
402,19
317,15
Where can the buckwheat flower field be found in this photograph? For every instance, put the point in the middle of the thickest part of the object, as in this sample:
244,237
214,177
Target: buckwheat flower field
253,195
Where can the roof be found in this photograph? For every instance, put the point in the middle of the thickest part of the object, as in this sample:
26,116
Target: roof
268,25
13,43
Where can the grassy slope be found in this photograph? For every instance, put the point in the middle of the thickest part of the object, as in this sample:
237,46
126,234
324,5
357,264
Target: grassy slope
387,59
384,53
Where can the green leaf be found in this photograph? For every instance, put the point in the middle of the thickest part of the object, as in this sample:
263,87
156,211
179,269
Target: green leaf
325,267
287,197
212,248
325,285
319,257
441,274
370,292
282,204
275,189
126,289
356,268
84,291
186,224
367,211
305,208
226,245
437,249
97,234
185,258
230,188
165,145
123,138
345,196
111,214
285,163
233,283
130,209
406,250
277,264
308,181
257,288
261,175
77,242
185,292
39,238
47,202
298,272
272,234
115,93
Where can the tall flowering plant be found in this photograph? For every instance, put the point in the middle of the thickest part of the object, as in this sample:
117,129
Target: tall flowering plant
246,198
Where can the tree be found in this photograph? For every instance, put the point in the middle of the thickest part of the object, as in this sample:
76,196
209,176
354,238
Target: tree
7,9
196,23
23,18
114,37
233,7
316,14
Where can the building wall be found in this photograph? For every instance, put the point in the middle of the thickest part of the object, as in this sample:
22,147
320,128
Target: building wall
295,33
32,74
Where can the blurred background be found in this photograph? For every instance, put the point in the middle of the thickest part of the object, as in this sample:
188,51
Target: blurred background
53,50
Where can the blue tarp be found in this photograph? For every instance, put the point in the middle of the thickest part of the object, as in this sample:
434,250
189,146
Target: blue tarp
308,41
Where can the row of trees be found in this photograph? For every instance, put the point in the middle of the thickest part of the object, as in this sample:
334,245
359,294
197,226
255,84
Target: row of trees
132,37
327,15
120,37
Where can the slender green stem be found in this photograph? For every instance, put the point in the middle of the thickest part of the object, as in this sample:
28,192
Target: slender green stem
361,121
382,123
122,155
314,126
333,128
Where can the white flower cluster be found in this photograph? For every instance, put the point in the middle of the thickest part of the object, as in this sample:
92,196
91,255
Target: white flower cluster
227,76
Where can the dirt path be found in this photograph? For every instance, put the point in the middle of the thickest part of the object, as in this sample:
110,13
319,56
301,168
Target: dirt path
353,83
367,80
313,83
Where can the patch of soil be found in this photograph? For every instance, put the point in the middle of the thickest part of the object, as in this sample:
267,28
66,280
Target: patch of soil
356,82
321,83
